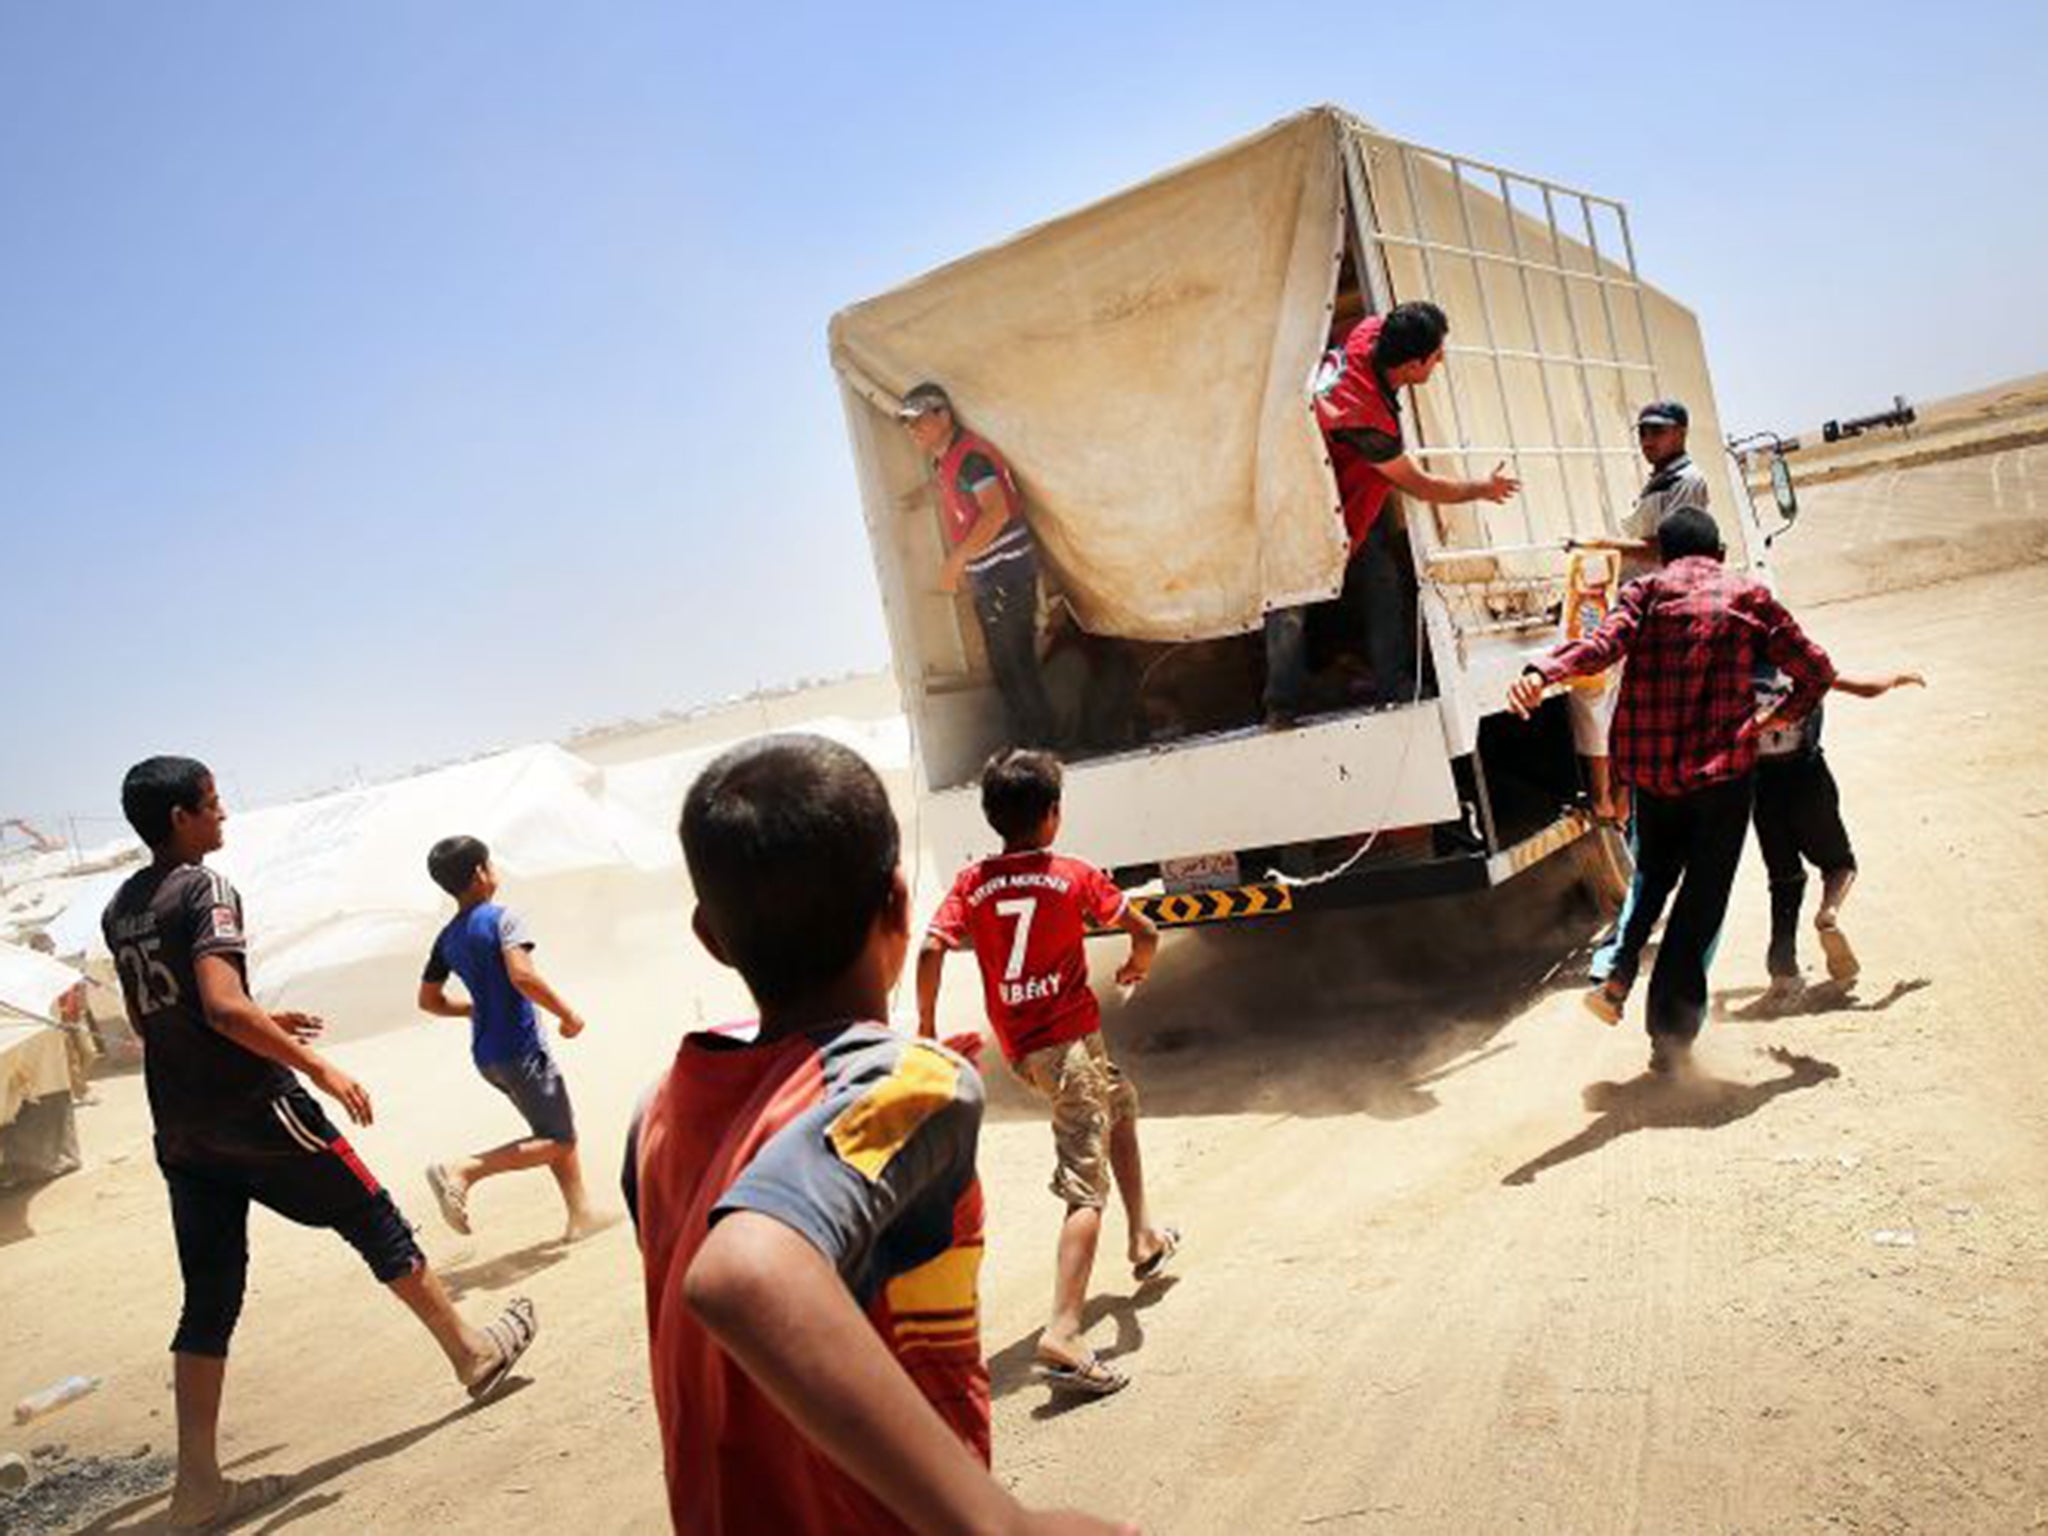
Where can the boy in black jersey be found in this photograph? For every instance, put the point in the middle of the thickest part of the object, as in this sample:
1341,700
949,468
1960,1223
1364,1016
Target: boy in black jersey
234,1125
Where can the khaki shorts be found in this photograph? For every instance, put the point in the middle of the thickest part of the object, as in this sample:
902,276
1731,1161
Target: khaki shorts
1089,1095
1592,712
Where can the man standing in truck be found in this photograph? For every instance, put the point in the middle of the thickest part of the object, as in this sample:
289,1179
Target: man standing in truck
989,547
1358,406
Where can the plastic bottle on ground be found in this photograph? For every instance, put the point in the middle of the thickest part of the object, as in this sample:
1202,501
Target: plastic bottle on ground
53,1397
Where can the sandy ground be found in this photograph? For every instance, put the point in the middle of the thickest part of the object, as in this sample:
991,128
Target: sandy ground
1452,1264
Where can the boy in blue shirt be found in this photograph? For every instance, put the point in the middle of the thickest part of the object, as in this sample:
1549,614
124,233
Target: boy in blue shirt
489,949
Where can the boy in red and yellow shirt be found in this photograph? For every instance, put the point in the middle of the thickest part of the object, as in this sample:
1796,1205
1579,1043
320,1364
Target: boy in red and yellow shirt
1025,913
809,1217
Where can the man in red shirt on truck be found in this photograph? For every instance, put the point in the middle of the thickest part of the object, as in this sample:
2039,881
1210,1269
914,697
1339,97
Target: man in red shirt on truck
1358,405
1025,913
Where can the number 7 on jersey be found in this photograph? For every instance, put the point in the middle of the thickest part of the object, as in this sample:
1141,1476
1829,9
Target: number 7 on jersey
1023,910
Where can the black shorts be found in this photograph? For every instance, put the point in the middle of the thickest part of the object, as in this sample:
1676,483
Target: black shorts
286,1156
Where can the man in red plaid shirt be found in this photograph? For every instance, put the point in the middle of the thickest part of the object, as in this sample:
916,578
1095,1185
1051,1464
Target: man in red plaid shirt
1685,738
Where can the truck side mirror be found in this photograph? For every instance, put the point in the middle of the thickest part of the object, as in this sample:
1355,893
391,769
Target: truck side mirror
1781,488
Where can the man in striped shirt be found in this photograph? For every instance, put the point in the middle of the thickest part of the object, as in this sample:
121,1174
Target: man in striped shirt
989,547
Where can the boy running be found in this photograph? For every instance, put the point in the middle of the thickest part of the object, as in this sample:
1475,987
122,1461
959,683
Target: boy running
233,1125
1798,816
810,1221
1026,913
489,947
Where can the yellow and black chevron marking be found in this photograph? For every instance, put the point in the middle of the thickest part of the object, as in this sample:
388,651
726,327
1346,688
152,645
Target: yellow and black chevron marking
1189,908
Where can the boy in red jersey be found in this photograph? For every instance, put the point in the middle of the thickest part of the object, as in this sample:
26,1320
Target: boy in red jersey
1025,913
805,1190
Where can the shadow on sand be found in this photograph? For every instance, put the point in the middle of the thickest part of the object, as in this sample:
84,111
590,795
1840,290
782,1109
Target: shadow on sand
1694,1101
1009,1368
146,1514
505,1269
1822,997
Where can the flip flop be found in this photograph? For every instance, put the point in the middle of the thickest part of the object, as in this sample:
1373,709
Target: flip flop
241,1498
1169,1245
1091,1377
510,1331
454,1202
1843,966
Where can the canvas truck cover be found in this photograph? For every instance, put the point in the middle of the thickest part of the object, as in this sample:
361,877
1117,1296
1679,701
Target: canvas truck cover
1147,364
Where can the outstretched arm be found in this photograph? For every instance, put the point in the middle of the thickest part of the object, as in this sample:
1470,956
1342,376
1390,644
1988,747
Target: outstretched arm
1411,477
1874,687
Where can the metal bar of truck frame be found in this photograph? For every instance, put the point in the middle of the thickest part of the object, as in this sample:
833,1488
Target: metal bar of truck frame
1564,481
1500,377
1435,291
1571,321
1552,357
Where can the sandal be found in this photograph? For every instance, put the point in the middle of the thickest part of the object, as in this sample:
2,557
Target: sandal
240,1498
1091,1376
450,1196
1602,1003
1169,1245
510,1332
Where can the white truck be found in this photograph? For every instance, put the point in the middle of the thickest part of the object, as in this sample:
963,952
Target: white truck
1146,364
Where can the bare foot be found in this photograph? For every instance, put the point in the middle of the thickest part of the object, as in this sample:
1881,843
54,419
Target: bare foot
590,1223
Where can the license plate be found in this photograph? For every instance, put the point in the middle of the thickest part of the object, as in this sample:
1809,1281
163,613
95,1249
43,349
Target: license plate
1203,872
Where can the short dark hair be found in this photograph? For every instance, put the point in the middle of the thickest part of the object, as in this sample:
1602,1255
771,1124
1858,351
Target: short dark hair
155,787
1688,531
454,861
1411,332
792,848
1019,787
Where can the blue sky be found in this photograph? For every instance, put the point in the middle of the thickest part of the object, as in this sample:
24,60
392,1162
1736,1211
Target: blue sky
382,382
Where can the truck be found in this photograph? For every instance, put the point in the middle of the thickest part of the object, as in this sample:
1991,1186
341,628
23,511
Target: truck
1147,364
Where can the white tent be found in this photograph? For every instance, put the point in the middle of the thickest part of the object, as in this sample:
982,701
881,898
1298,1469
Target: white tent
341,878
32,1060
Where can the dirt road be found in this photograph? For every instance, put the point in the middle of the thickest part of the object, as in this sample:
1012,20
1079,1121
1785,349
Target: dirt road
1452,1264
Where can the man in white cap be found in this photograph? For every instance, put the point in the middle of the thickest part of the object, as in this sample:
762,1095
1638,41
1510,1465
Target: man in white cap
991,548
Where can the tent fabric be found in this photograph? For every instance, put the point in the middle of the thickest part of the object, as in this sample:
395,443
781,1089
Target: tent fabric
341,878
646,794
32,982
1145,365
32,1066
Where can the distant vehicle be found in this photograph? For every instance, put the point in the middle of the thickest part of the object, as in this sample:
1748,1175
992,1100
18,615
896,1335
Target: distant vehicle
1147,364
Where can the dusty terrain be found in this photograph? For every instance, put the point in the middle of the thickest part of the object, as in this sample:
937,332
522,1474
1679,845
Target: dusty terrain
1452,1264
